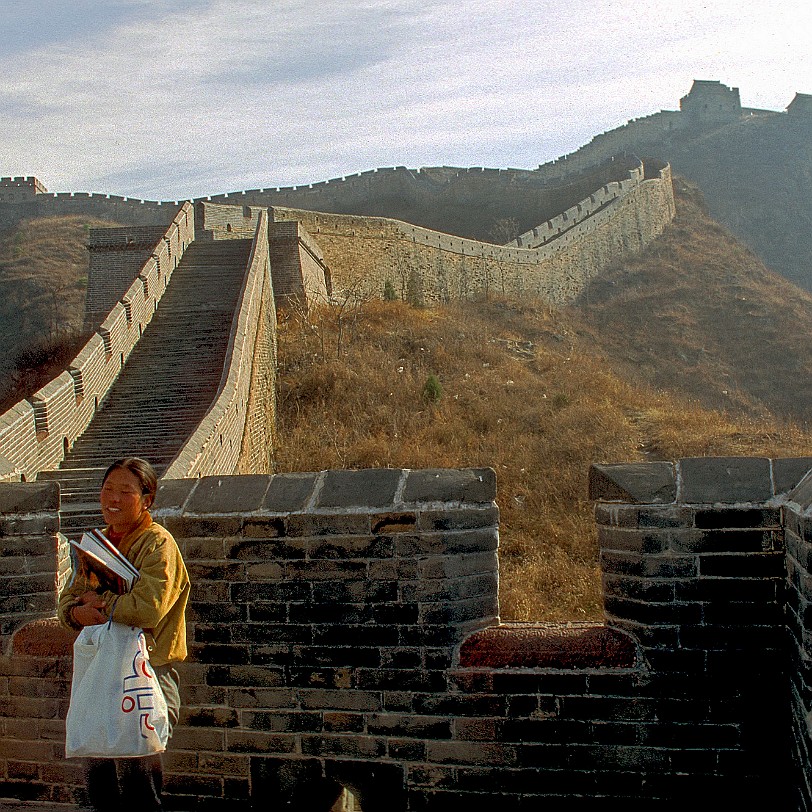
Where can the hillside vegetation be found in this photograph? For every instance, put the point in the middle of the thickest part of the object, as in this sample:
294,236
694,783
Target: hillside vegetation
43,278
537,394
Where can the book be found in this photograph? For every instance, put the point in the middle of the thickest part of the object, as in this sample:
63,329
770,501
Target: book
101,559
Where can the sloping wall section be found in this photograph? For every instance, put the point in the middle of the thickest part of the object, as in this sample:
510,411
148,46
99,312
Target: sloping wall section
553,261
35,434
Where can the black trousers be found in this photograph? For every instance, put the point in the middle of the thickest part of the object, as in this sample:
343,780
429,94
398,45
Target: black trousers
130,784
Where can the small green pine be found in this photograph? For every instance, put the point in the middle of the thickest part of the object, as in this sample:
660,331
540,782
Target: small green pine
432,389
389,293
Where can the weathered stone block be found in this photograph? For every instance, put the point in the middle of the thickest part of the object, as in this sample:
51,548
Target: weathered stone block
20,498
289,493
725,480
228,494
444,485
642,483
374,488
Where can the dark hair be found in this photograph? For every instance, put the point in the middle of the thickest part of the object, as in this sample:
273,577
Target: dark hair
141,470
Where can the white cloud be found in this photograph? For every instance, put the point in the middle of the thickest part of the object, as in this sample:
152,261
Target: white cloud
168,99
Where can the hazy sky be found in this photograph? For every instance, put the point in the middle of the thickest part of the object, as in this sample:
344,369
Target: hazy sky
169,99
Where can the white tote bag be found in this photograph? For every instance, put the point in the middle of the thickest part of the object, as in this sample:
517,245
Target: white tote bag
117,708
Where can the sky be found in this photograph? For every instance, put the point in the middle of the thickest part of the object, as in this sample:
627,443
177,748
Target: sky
172,99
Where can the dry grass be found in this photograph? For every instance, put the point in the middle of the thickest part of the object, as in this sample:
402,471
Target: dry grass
657,362
519,395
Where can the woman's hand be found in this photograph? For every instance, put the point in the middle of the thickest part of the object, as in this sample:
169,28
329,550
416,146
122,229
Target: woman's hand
88,611
92,599
85,615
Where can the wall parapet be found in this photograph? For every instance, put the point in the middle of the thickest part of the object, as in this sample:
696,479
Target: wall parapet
35,434
428,267
344,633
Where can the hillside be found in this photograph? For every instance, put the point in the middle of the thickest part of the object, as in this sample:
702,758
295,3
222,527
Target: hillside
755,173
698,313
43,276
537,394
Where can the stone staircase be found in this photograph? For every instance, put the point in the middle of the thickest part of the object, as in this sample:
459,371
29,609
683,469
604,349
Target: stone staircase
168,383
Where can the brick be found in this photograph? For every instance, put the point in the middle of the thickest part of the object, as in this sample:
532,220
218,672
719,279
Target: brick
326,570
223,764
277,721
336,722
198,739
325,699
270,592
408,725
453,543
406,750
375,634
633,540
244,675
653,566
360,655
482,608
668,614
443,566
458,519
310,525
265,527
216,611
216,527
367,488
344,746
225,570
255,741
202,549
352,547
728,518
387,524
742,565
444,485
451,704
219,654
636,587
355,591
456,752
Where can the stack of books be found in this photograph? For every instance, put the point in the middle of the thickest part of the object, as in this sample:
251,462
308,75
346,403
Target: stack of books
100,558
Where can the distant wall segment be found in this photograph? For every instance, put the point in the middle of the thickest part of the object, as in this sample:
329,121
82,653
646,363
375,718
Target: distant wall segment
553,261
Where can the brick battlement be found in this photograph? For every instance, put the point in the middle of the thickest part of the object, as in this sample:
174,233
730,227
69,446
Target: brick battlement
344,633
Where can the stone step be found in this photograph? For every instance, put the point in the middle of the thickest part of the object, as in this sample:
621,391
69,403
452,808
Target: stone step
167,384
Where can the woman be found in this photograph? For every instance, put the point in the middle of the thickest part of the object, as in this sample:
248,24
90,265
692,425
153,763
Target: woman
157,604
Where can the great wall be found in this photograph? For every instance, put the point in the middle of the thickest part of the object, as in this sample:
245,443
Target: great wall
344,625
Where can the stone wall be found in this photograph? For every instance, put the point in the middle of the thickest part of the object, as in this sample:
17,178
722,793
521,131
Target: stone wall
298,266
344,633
428,267
36,433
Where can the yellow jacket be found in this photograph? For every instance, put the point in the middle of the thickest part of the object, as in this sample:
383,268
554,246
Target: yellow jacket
157,602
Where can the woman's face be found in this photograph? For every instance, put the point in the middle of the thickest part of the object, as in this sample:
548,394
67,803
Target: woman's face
122,502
